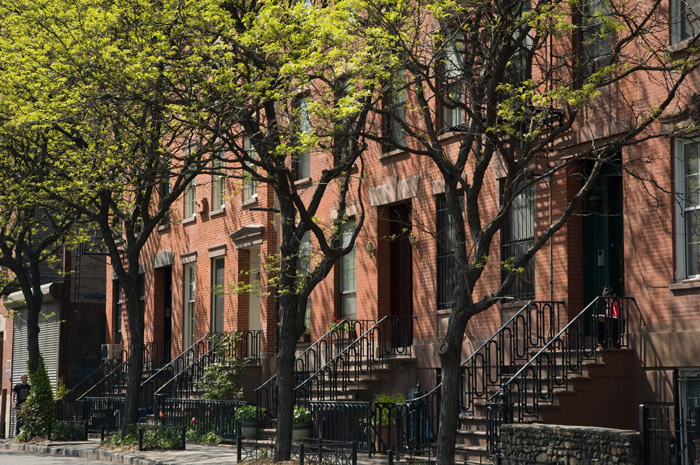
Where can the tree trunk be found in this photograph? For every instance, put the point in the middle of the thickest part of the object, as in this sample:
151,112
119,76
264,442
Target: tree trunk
135,364
449,401
33,309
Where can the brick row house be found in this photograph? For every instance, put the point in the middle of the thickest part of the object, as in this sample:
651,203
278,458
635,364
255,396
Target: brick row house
635,232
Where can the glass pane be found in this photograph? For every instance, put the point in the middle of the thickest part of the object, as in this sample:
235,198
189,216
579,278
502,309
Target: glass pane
348,306
690,154
692,234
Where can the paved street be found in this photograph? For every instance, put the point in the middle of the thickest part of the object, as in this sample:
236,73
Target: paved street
8,457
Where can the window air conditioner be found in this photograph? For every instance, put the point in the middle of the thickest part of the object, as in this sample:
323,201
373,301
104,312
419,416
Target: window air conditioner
110,351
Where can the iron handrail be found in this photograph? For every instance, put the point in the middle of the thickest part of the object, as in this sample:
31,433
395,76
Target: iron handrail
425,409
365,351
105,366
185,382
550,368
265,394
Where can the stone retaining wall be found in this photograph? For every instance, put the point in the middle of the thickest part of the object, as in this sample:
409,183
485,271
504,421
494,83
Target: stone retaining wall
568,445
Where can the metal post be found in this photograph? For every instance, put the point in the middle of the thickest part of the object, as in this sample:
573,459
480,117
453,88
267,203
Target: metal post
301,454
390,455
354,453
239,445
102,433
140,438
48,433
184,430
643,434
85,438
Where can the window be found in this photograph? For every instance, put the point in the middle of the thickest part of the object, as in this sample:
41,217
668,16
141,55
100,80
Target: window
453,91
685,19
517,237
217,295
250,186
688,217
191,199
396,114
596,41
446,243
164,192
118,299
218,185
189,300
304,270
347,275
303,157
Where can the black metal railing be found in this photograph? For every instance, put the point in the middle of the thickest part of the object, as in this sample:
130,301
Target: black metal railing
389,337
314,451
102,413
499,357
342,421
325,348
113,384
666,437
225,347
561,360
248,347
217,416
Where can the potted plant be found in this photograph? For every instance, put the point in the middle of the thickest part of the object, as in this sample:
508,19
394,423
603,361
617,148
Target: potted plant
249,417
301,423
383,418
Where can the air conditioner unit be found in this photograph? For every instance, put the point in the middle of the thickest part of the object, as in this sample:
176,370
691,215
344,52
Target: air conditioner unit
110,351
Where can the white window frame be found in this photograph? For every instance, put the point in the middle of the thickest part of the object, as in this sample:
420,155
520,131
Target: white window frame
303,161
682,209
250,185
304,269
189,301
453,69
347,285
218,185
684,24
191,200
218,285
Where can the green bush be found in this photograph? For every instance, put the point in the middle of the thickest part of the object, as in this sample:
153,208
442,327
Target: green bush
222,379
68,431
249,413
161,437
197,434
301,415
39,408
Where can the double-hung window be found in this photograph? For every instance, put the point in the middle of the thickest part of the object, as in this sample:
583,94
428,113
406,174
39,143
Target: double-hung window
218,184
304,267
446,244
686,19
347,274
517,236
191,199
395,116
217,295
596,40
303,154
118,298
453,90
250,185
688,217
190,283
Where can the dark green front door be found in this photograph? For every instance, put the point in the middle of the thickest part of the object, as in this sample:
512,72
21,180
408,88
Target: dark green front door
603,257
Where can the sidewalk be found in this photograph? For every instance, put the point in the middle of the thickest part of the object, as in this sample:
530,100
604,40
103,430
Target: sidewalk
195,454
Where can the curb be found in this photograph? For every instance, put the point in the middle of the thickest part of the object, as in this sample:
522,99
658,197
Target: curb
89,454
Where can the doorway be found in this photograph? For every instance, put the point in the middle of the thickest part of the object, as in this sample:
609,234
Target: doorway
254,294
401,274
167,313
602,228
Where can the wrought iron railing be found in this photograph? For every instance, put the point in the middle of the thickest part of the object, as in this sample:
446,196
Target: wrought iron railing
501,355
223,348
218,416
561,360
169,370
666,437
342,421
102,413
389,337
325,348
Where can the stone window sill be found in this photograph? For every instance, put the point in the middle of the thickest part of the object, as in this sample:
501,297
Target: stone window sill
190,220
218,212
686,284
250,202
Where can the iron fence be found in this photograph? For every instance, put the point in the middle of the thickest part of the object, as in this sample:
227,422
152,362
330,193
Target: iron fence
102,413
666,437
217,416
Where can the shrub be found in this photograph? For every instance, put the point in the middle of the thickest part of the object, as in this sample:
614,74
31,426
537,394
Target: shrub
386,412
39,408
249,413
301,415
197,434
222,379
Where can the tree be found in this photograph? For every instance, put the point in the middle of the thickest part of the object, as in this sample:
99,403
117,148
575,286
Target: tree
298,81
33,228
511,82
114,83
